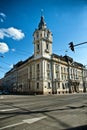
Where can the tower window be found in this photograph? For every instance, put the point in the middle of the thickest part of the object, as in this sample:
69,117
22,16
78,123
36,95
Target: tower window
38,47
45,34
48,34
47,46
48,66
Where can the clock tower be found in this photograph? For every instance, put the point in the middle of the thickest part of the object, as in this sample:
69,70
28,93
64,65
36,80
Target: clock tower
42,40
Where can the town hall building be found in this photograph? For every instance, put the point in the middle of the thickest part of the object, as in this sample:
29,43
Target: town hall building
45,72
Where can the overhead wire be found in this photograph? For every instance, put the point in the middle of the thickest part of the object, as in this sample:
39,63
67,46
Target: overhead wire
18,52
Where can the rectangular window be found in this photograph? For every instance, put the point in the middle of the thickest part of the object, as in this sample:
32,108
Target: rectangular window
48,66
37,85
62,77
62,69
48,34
38,71
47,46
38,67
49,85
38,47
48,75
56,68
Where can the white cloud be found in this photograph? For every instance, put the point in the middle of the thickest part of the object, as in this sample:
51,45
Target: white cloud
3,47
13,49
2,17
16,34
2,20
11,32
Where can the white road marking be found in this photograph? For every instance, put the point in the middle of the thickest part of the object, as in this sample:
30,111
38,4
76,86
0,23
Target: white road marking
2,128
8,110
29,121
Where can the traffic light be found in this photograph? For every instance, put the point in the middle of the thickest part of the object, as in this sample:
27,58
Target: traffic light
71,45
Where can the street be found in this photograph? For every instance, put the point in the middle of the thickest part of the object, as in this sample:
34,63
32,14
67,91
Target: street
52,112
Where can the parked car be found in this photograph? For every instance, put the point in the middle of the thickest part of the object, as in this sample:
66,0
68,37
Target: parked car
1,92
5,92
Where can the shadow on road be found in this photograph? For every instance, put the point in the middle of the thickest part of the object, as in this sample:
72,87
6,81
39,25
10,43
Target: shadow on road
44,111
78,128
22,110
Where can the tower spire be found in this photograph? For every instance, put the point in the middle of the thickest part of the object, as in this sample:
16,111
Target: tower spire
42,24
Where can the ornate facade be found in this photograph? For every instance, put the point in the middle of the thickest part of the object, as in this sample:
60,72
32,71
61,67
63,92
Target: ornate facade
45,72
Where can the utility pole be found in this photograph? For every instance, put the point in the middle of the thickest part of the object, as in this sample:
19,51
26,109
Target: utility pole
69,85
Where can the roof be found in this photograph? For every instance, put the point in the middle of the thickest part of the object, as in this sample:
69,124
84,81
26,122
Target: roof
19,64
42,23
66,59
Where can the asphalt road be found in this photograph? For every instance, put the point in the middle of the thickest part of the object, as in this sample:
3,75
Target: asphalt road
53,112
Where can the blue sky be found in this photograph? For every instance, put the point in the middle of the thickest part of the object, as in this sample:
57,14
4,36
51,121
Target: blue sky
67,19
